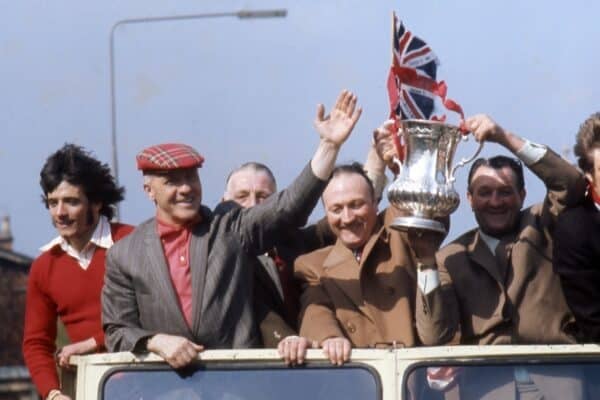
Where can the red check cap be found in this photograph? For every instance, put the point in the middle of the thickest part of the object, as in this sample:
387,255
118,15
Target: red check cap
162,157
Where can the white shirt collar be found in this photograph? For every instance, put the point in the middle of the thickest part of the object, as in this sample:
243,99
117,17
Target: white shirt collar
101,237
490,241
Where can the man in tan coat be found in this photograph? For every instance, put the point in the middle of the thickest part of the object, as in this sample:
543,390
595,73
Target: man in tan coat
362,291
501,272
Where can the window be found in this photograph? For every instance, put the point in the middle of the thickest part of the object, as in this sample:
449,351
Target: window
494,381
306,383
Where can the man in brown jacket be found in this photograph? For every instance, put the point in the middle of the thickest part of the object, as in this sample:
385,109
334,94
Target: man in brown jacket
508,257
501,272
362,291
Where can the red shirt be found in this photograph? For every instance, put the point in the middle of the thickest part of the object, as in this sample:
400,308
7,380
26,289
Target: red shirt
176,246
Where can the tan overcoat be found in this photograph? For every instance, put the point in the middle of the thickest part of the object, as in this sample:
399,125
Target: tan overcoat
372,303
513,296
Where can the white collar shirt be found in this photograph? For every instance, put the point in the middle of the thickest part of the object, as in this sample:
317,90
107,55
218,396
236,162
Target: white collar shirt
101,237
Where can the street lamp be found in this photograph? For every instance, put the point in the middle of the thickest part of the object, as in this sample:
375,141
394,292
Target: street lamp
241,14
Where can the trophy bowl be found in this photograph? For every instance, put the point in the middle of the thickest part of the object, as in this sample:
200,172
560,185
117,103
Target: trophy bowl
424,188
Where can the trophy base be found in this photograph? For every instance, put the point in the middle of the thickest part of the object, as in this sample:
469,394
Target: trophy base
406,223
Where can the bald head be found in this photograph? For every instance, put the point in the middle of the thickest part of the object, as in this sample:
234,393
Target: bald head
250,184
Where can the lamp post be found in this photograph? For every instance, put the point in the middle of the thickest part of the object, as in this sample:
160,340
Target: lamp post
240,14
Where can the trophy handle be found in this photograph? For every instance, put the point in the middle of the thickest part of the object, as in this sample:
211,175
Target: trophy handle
398,163
464,161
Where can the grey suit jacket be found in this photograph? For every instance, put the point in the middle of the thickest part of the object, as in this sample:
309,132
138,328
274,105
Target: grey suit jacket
138,298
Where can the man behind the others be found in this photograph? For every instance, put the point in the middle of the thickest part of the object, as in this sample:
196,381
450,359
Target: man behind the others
65,281
183,281
276,291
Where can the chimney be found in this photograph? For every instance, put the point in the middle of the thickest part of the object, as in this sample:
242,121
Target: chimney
6,238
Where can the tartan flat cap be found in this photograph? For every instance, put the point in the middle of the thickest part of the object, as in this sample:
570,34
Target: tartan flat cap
167,156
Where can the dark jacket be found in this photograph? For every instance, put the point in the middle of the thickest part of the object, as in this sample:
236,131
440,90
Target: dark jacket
577,262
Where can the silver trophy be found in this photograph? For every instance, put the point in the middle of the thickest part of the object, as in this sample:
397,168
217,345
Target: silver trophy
424,187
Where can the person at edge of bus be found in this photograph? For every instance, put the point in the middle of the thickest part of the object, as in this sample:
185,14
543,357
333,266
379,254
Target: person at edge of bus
182,281
65,281
508,258
362,291
577,239
276,291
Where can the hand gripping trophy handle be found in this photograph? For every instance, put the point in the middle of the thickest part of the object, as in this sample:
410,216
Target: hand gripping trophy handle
398,164
464,161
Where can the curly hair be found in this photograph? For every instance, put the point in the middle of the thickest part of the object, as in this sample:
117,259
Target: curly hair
588,139
71,163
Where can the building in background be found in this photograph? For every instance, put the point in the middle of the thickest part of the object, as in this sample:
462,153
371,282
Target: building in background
15,383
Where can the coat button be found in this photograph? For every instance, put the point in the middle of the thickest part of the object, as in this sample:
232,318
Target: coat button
351,328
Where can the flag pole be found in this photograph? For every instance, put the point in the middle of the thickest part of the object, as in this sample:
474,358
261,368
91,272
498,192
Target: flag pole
395,137
393,33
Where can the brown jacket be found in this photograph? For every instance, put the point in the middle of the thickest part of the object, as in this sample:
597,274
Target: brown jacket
371,303
513,296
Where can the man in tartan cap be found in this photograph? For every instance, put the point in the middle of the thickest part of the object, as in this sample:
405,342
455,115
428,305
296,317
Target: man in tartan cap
182,281
169,156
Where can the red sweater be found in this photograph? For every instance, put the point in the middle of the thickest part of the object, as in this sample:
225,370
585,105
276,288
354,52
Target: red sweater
58,287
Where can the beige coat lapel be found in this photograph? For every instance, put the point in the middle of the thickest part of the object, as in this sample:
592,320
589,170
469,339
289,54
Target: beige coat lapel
503,255
481,254
370,244
343,269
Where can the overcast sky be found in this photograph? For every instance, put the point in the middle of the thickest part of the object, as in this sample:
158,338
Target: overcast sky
240,90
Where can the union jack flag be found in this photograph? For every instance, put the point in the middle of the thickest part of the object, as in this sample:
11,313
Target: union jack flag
412,85
408,99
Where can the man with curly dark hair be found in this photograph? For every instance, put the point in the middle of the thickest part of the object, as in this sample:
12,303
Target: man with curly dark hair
66,279
577,239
